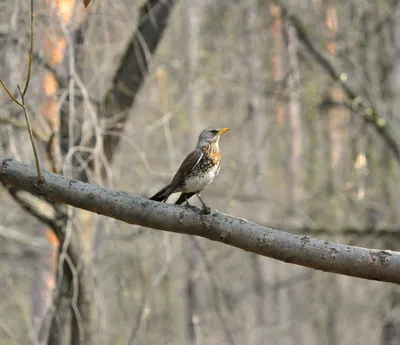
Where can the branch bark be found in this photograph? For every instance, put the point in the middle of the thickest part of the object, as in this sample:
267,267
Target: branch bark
353,261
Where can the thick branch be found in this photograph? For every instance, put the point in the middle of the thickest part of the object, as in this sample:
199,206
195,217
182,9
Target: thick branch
301,250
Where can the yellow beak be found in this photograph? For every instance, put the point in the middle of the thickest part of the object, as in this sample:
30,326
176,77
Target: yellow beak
223,130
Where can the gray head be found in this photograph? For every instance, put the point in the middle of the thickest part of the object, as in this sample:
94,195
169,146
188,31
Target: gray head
210,135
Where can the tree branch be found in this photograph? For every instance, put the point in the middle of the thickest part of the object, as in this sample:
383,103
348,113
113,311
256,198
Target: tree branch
369,113
40,209
129,77
301,250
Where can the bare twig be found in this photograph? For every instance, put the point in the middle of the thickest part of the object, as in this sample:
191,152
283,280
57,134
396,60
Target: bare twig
10,94
359,103
39,179
28,76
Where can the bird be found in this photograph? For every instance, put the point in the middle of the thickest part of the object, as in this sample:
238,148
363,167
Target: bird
197,170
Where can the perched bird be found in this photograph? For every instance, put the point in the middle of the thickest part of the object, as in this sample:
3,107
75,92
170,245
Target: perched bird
197,171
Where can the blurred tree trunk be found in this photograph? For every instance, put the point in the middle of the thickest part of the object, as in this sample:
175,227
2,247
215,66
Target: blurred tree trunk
259,155
296,157
42,290
195,295
339,118
75,313
276,67
54,50
193,22
195,290
391,324
285,99
256,104
260,294
277,63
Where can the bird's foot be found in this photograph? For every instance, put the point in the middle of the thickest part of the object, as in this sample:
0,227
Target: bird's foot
192,207
206,209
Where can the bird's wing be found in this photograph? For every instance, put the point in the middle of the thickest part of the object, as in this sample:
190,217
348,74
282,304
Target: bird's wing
187,165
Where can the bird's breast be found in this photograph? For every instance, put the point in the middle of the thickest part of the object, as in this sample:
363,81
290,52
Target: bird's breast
204,172
198,182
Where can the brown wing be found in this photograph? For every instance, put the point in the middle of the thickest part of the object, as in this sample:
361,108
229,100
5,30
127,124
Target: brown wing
187,165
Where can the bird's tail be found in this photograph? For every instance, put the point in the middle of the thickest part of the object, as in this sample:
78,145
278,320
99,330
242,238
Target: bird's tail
184,197
162,195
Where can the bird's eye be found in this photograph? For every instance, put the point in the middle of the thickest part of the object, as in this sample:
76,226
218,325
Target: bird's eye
214,131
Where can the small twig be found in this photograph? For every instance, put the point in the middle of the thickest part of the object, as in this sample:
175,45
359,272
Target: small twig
10,94
28,76
39,178
368,112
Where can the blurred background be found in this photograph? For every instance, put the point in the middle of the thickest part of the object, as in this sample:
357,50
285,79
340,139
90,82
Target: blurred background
118,95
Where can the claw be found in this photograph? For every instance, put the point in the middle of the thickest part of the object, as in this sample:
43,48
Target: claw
206,209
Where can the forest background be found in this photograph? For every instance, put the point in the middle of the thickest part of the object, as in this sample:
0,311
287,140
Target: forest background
118,95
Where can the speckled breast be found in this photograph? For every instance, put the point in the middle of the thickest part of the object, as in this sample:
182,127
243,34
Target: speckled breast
204,172
209,162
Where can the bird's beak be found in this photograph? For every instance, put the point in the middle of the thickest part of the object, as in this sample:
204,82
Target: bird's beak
223,130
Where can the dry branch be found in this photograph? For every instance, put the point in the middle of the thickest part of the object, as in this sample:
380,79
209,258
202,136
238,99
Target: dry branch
301,250
359,102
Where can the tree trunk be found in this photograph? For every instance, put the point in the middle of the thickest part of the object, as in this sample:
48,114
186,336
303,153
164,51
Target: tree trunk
391,324
256,105
76,315
296,157
195,290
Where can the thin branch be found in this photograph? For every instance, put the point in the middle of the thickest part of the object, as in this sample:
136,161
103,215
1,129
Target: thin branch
40,178
28,76
369,113
10,94
374,264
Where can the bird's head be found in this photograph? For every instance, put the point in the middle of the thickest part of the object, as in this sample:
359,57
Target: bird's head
210,135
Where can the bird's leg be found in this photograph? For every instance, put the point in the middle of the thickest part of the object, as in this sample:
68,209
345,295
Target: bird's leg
187,200
206,209
187,203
